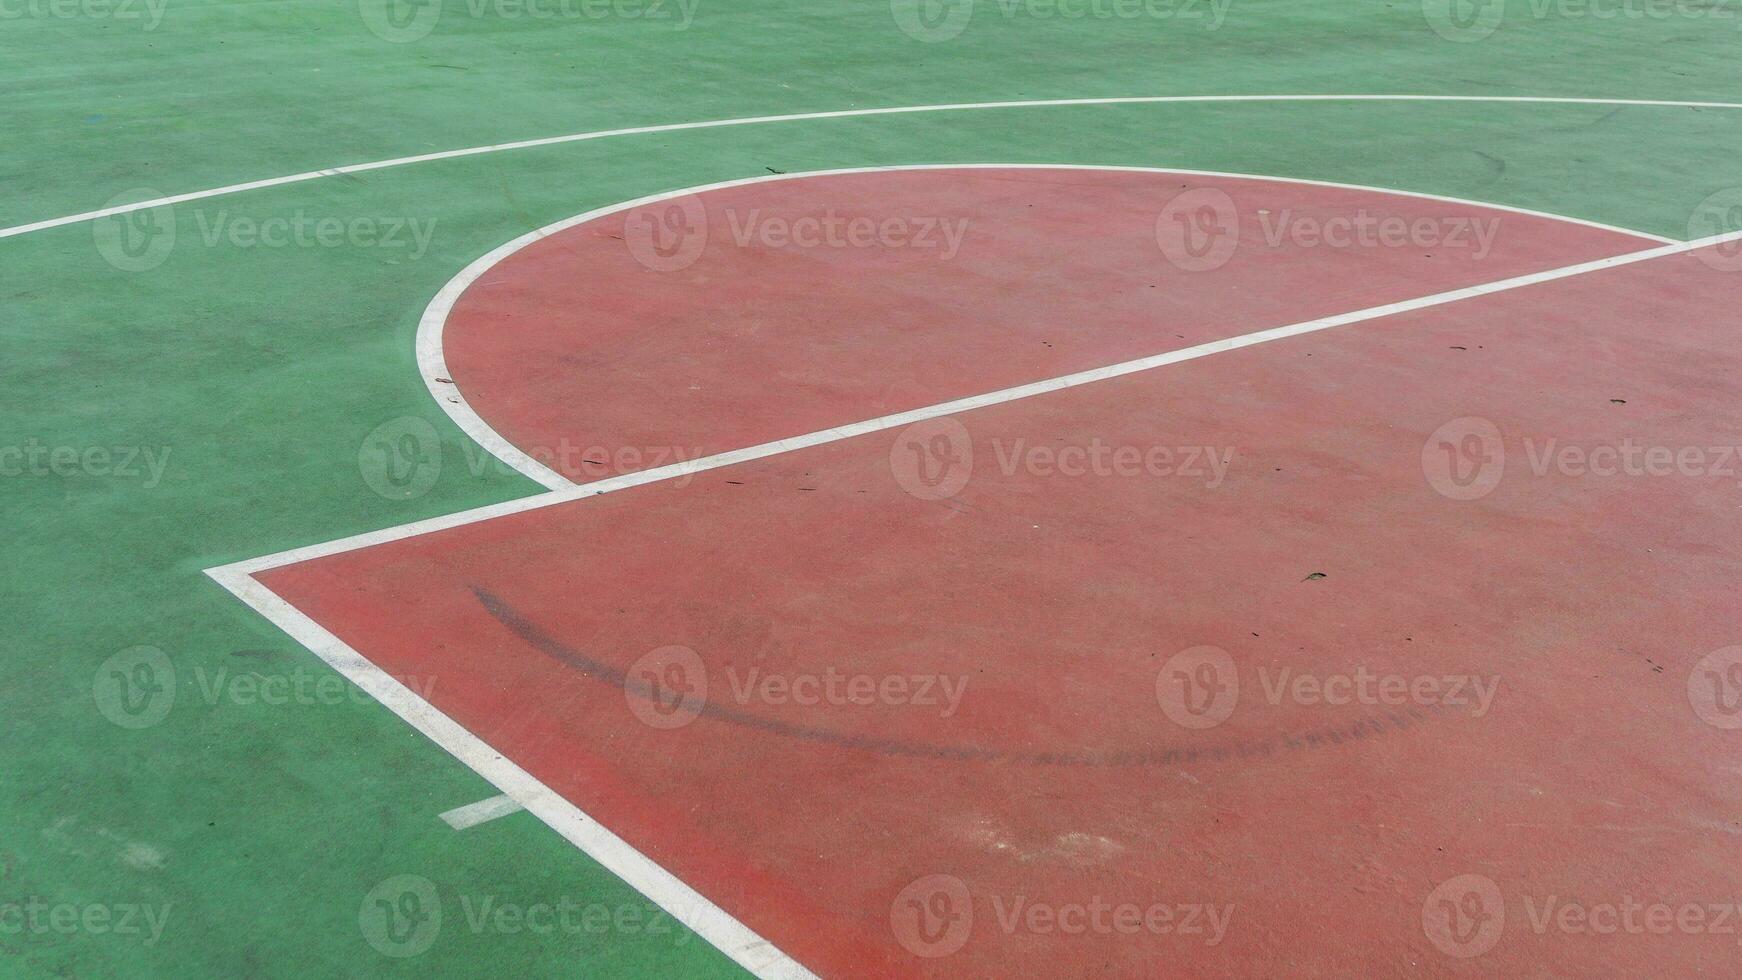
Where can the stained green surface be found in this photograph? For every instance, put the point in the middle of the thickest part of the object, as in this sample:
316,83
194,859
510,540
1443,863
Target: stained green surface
260,828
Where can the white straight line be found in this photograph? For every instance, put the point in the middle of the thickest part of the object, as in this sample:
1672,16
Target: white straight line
483,811
704,463
432,359
683,903
357,168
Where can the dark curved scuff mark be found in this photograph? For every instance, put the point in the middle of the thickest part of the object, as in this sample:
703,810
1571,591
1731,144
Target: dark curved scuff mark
530,632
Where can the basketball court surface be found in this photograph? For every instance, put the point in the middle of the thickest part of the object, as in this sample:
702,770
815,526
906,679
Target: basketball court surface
962,489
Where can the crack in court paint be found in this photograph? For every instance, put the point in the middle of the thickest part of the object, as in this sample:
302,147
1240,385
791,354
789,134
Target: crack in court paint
533,635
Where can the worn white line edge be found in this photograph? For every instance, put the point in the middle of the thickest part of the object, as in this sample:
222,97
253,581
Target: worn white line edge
357,168
439,380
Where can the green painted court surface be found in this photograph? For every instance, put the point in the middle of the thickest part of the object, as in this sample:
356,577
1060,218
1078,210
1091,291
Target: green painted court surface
230,387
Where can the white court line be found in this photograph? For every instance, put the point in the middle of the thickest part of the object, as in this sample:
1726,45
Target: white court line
483,811
357,168
432,361
685,904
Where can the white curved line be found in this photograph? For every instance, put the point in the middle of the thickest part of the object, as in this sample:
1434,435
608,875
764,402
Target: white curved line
357,168
432,361
432,364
